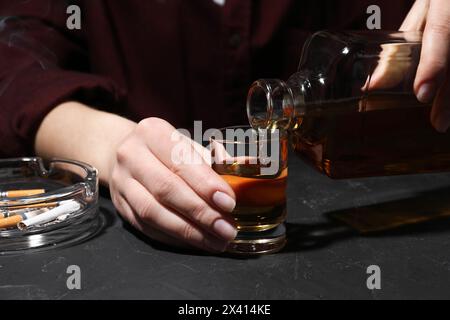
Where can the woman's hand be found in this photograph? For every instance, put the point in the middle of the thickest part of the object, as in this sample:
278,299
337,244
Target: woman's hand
176,202
432,83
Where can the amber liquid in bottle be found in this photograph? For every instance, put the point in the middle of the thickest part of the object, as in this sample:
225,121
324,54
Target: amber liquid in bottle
384,134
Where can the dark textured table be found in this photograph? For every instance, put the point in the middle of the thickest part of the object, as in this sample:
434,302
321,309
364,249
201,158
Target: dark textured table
321,261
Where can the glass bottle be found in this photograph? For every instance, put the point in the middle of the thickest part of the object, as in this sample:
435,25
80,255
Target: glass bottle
350,109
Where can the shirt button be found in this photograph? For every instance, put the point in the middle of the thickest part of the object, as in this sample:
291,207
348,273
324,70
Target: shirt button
235,40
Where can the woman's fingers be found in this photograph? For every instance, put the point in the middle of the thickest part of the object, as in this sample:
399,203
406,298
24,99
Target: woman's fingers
440,115
161,223
435,52
431,82
171,191
132,217
176,202
417,16
180,156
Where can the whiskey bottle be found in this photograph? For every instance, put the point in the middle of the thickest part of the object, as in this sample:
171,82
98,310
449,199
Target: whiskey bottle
350,110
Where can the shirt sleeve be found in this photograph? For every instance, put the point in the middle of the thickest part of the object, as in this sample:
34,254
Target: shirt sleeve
42,64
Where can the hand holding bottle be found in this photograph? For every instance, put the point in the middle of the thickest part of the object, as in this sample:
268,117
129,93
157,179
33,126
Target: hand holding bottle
432,83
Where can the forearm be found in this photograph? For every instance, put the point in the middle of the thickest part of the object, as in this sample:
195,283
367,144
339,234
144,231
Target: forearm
75,131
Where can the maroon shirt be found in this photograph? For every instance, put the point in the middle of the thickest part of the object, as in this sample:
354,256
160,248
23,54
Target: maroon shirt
181,60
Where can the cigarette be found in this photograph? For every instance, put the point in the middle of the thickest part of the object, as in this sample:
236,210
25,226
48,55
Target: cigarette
4,213
20,193
10,213
13,220
65,207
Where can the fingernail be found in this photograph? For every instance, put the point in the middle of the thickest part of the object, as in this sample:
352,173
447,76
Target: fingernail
224,229
216,245
224,201
426,93
442,122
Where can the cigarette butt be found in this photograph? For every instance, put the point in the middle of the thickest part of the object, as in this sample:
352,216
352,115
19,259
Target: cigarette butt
12,221
65,207
15,212
21,193
12,211
62,217
37,205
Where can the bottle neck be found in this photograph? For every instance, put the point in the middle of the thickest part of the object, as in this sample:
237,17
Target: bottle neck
273,103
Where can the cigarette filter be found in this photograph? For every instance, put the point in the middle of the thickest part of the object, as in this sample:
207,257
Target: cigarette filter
32,206
20,193
10,213
65,207
13,220
4,213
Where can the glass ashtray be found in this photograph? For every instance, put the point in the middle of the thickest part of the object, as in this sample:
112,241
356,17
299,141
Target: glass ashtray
61,182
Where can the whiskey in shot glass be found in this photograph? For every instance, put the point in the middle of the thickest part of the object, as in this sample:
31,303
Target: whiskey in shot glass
254,163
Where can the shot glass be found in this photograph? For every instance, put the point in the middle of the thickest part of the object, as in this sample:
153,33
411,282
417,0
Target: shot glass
254,163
